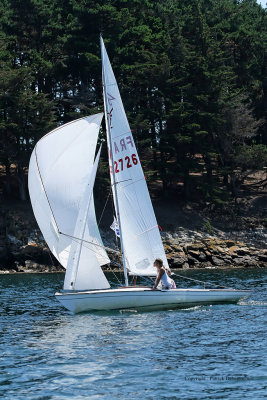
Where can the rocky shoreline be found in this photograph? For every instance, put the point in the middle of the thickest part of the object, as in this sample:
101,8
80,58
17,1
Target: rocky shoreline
28,252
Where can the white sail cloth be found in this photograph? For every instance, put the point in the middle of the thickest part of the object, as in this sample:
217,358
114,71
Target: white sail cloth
139,229
59,172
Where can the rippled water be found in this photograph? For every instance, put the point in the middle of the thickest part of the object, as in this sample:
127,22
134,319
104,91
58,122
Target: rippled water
214,352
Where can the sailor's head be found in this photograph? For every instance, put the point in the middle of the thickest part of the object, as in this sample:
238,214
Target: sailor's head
158,263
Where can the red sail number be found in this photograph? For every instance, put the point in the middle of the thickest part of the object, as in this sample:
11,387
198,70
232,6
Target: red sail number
129,163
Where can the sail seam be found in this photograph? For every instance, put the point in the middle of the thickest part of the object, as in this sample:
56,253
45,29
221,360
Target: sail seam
108,84
122,134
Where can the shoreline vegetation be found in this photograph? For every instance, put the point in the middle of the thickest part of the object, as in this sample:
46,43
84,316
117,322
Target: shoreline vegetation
196,244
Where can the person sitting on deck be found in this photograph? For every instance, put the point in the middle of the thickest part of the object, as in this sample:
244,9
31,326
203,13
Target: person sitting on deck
166,281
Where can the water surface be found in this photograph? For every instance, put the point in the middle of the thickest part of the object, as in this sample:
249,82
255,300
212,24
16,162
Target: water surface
208,352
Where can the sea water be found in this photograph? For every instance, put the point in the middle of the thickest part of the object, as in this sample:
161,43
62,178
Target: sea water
205,352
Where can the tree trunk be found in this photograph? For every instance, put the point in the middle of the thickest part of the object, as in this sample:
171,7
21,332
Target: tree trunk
163,175
187,187
233,185
22,184
8,180
208,163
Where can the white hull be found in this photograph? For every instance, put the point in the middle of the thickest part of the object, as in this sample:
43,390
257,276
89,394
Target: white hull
145,298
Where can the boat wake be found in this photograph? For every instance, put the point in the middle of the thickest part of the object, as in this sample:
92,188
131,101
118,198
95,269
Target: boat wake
252,303
128,311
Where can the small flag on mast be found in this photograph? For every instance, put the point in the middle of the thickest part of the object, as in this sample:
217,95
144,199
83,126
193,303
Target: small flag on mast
115,227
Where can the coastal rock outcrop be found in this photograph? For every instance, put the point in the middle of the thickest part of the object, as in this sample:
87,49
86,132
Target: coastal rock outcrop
200,250
23,249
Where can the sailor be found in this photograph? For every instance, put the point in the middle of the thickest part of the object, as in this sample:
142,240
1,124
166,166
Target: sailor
162,277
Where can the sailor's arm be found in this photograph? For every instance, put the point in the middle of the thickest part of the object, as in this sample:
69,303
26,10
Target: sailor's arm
161,272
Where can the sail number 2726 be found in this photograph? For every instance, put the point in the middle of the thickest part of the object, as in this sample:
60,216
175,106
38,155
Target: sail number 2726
126,162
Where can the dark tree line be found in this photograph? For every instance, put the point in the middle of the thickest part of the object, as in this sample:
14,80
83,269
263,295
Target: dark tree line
192,77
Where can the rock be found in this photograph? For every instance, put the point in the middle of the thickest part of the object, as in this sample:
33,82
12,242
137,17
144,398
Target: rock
230,243
242,251
165,235
207,253
202,257
167,249
14,240
221,249
31,250
192,261
194,253
245,262
218,261
263,257
233,250
31,266
177,248
262,264
193,246
186,266
178,262
206,264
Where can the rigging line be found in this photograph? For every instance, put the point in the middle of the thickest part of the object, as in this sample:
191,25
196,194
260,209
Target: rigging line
111,270
148,279
95,252
49,252
117,264
197,280
138,180
36,159
115,213
90,249
149,229
125,180
87,241
100,219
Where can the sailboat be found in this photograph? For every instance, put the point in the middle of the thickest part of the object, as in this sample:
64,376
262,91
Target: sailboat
62,173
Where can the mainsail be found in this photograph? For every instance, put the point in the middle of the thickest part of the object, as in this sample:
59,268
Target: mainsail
139,229
59,173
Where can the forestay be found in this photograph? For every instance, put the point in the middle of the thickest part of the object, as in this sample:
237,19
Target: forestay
59,172
139,229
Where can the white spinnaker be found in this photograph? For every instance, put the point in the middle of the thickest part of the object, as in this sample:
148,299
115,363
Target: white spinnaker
141,238
59,171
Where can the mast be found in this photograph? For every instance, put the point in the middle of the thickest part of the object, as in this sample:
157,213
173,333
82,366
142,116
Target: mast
108,127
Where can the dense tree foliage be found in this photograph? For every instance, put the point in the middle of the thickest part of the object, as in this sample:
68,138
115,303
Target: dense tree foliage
192,77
